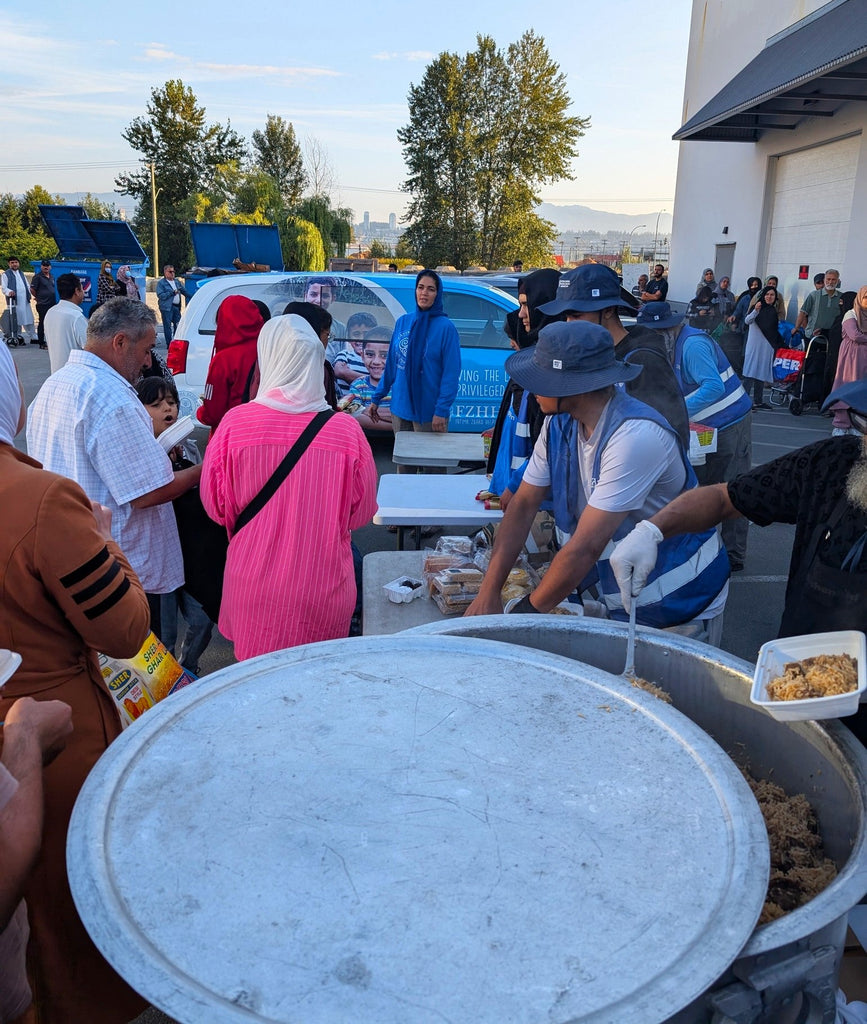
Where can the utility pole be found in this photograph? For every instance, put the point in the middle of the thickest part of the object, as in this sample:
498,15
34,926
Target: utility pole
154,221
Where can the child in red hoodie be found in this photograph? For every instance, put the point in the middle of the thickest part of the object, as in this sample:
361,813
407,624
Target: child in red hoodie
233,363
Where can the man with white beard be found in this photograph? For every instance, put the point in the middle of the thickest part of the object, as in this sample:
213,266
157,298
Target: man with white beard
822,490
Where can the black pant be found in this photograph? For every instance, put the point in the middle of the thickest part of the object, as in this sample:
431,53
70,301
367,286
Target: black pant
42,308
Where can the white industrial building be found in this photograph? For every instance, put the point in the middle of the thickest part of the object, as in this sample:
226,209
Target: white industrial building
772,170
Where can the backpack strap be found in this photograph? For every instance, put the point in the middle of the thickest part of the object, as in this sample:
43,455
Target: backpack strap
286,466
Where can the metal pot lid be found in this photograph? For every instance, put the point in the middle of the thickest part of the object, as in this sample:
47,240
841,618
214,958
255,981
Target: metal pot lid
417,829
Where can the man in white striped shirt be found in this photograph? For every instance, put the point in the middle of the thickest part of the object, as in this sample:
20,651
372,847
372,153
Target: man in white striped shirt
88,424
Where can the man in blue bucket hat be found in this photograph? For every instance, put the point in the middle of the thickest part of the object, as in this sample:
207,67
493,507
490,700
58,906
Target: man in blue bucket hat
593,293
822,490
607,460
714,397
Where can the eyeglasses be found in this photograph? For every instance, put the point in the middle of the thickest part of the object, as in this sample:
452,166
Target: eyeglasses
858,421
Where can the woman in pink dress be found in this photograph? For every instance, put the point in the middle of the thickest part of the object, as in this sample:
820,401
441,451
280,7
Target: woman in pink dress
289,576
852,360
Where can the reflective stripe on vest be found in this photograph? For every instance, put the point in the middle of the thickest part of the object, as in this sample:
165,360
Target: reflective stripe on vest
691,569
735,402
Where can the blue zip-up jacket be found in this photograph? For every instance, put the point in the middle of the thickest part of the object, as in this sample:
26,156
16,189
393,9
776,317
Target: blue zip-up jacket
441,370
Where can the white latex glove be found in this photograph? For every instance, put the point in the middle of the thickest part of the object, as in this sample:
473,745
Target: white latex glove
633,560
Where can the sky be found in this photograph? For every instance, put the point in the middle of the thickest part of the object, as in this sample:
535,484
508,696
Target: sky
71,80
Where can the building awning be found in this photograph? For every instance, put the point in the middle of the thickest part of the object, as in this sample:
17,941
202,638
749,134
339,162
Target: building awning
810,70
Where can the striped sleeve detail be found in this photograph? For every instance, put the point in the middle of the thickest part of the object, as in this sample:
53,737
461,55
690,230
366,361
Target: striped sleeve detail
86,569
109,602
91,591
107,589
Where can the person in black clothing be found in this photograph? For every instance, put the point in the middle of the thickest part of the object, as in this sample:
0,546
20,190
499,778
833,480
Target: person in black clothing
657,287
44,295
519,419
822,490
593,293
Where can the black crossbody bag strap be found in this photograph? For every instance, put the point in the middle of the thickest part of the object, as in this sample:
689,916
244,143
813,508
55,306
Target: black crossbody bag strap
273,482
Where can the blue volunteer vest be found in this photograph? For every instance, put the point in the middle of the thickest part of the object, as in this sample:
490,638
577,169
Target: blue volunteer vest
690,570
735,402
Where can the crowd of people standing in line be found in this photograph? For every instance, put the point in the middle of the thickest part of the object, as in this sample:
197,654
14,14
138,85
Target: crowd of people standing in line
110,535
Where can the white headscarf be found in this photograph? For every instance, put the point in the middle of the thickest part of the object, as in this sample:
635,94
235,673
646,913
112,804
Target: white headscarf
291,366
10,397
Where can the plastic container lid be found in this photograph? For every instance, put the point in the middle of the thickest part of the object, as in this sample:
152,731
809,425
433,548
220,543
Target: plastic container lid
417,828
177,432
773,657
9,662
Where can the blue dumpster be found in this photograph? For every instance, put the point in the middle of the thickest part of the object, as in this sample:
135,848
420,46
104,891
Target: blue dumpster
84,243
217,246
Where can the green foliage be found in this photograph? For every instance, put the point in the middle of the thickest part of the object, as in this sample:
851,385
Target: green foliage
187,153
278,155
486,130
22,233
31,218
96,209
379,250
302,245
334,225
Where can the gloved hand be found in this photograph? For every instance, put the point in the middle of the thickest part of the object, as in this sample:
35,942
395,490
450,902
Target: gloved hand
633,560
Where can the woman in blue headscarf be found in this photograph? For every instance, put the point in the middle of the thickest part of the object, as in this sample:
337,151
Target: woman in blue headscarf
424,363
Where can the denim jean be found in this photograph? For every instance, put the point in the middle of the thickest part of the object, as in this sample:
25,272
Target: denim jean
199,627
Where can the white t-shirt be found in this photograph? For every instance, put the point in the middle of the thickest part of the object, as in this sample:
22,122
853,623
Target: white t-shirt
641,469
640,472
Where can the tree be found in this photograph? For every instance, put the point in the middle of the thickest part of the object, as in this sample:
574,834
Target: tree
278,154
302,245
319,171
486,130
31,218
186,153
335,226
379,250
96,209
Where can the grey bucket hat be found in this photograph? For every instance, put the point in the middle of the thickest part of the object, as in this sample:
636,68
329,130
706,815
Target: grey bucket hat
569,359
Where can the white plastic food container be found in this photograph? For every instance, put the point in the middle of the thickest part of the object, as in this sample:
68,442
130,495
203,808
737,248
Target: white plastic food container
776,654
404,589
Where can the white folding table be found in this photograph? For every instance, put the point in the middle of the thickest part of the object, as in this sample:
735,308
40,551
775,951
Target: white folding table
432,500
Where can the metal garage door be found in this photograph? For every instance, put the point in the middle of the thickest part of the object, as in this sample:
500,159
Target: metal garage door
810,210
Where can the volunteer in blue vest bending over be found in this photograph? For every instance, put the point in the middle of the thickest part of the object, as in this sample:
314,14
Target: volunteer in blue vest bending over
715,397
607,460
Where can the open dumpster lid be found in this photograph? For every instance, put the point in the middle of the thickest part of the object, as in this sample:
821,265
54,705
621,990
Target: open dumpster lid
78,237
217,245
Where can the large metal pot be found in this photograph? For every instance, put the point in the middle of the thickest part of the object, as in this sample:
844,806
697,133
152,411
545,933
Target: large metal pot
788,969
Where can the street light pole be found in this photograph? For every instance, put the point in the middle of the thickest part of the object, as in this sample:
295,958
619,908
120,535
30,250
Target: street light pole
656,234
629,240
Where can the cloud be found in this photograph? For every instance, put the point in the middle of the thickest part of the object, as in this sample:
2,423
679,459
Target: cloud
413,56
158,52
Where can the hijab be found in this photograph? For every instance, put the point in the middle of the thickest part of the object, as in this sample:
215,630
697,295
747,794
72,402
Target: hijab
124,275
753,285
291,364
238,323
767,319
539,287
706,284
10,397
859,308
417,343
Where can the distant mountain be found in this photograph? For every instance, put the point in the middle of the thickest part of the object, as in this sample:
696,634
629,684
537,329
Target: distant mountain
583,218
